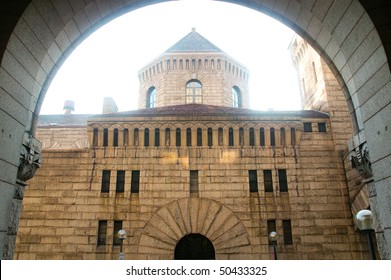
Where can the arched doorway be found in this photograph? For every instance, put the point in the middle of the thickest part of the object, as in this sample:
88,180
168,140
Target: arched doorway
194,247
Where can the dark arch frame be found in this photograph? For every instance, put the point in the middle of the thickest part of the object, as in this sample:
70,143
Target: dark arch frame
194,246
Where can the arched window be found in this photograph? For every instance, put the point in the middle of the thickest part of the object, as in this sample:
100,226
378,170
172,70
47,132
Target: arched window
115,139
151,98
146,137
282,136
272,137
95,137
178,137
210,137
157,137
199,137
236,97
105,137
126,137
167,137
293,136
241,136
188,137
193,92
135,137
220,136
262,137
230,136
252,137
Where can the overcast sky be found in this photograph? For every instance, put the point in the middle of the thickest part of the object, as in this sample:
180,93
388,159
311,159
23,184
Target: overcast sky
107,62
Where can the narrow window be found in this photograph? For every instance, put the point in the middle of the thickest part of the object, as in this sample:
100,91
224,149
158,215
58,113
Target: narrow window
262,137
167,137
253,180
102,231
230,136
135,182
193,181
282,137
293,136
282,180
220,136
151,98
105,181
268,181
120,185
287,231
105,137
271,226
117,228
188,137
178,137
241,136
307,127
136,137
236,97
322,127
157,137
95,137
115,138
146,137
252,137
210,137
199,137
272,137
193,92
126,137
187,64
314,71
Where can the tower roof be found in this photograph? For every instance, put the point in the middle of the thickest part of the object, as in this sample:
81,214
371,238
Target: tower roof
193,42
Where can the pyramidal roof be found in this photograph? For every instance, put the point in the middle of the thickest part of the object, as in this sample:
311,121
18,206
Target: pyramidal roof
193,42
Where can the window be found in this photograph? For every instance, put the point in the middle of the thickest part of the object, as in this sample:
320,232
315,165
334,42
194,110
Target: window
135,182
105,181
157,137
126,137
199,137
105,137
102,231
220,136
193,181
178,137
268,180
119,188
293,136
236,97
95,137
151,98
282,180
307,127
314,72
272,137
210,137
193,92
252,137
146,137
167,137
322,127
262,137
115,138
241,136
117,228
230,136
188,137
271,226
136,137
253,180
287,231
282,136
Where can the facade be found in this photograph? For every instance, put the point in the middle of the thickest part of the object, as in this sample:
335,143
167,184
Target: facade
195,168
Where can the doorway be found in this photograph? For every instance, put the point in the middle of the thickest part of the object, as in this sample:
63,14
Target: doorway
194,247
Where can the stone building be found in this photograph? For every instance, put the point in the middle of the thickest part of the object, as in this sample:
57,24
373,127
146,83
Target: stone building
194,173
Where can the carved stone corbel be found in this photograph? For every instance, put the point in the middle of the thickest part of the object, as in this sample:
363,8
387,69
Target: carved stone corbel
30,158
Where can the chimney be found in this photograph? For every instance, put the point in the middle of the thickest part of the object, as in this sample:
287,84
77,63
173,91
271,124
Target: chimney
69,106
109,106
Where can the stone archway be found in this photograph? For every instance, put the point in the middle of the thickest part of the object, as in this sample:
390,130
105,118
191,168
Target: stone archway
38,36
194,247
198,216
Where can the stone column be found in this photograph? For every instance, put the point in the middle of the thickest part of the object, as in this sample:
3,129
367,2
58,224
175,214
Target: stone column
29,162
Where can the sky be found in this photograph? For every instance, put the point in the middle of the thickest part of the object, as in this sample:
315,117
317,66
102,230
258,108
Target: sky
107,62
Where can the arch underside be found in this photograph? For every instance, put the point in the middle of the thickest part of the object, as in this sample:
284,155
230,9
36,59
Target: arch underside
193,216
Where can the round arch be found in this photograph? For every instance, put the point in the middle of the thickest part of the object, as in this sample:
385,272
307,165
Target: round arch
39,35
194,246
